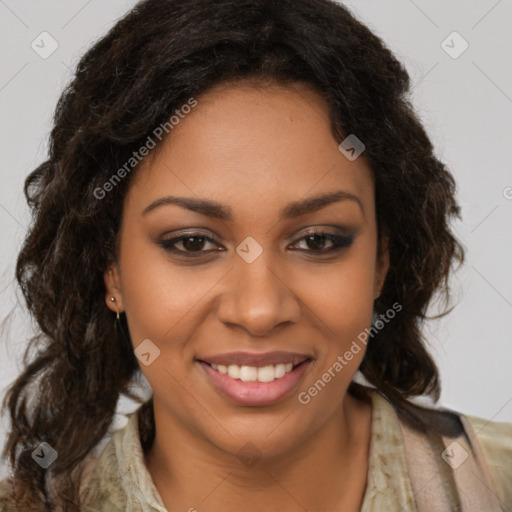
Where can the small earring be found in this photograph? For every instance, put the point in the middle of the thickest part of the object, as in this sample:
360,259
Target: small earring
113,299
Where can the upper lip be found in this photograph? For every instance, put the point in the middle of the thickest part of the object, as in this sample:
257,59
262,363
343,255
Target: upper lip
257,360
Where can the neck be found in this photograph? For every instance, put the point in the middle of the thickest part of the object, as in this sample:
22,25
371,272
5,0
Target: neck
322,472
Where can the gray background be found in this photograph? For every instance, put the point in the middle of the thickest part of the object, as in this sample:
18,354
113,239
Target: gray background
465,103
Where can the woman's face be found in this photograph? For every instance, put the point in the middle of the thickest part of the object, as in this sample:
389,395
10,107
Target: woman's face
248,177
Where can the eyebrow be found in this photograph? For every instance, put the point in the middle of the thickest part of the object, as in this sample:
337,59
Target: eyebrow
217,210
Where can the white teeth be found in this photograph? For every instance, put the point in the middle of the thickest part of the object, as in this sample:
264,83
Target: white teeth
248,374
280,370
253,373
234,371
266,373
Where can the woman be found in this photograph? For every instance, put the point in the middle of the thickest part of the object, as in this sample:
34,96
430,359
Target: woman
240,204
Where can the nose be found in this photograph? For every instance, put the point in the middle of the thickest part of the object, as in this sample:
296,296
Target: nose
257,298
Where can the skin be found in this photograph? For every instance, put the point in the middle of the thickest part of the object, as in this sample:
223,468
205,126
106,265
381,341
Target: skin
255,150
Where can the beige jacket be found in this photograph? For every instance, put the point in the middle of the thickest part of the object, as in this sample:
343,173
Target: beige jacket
117,480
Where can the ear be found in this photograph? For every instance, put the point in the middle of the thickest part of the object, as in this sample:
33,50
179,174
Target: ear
113,289
382,266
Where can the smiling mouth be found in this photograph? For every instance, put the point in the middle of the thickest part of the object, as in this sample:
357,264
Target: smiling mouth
272,379
264,374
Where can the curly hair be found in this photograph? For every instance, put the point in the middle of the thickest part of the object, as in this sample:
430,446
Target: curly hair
157,56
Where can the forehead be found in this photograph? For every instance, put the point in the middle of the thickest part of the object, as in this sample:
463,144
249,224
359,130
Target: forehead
259,146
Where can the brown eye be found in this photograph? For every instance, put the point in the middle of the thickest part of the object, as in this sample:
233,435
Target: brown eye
316,242
189,245
324,242
194,243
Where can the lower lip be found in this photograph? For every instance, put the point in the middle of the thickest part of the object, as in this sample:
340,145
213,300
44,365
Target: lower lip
256,393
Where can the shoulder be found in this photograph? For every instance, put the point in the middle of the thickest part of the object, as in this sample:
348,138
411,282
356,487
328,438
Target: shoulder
107,483
495,439
118,479
102,487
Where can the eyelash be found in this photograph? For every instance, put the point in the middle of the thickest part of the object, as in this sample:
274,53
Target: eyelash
339,242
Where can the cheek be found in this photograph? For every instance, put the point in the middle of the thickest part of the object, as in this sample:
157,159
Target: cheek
343,306
342,294
158,294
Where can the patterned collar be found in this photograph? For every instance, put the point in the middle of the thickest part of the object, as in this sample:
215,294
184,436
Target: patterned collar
120,480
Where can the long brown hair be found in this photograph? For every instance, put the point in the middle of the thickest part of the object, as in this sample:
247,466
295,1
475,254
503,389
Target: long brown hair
132,80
